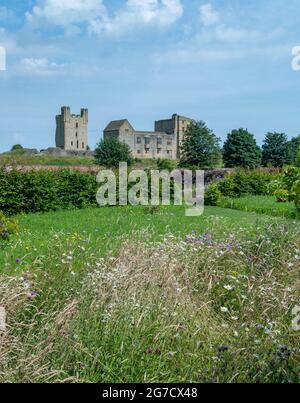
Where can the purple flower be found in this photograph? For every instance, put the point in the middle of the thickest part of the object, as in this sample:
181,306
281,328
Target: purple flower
18,260
31,296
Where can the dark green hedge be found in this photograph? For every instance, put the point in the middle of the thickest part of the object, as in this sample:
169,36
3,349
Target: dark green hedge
42,191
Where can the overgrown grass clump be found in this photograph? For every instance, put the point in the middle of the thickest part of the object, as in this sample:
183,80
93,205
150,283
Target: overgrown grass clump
209,305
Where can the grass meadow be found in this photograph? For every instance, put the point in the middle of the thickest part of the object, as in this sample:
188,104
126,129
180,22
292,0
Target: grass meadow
261,205
132,294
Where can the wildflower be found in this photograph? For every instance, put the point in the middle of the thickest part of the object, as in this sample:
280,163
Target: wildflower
228,287
31,296
224,309
18,260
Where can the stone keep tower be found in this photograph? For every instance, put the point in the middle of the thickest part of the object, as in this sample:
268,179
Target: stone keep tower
72,130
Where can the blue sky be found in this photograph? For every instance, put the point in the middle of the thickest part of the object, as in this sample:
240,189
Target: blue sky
225,62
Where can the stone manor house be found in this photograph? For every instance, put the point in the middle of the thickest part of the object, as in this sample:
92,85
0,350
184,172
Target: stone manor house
164,142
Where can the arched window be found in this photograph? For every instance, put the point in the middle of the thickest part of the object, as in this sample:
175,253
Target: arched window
77,144
83,146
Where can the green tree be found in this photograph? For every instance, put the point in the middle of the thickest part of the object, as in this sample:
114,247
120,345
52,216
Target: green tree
241,150
275,149
297,162
292,148
201,147
16,147
110,152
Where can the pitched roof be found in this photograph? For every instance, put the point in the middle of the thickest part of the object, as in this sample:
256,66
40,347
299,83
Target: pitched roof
115,125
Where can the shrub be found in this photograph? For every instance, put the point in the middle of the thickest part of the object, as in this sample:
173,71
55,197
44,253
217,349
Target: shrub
110,152
168,165
242,183
213,196
282,195
289,177
16,147
7,227
296,193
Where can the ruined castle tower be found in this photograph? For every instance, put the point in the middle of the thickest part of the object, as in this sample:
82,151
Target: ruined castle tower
72,130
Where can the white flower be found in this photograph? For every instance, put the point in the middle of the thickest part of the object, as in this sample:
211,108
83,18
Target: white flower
228,287
224,309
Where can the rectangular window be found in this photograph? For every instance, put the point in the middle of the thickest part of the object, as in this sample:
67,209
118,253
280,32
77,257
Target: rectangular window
147,140
139,140
159,141
77,144
72,143
83,145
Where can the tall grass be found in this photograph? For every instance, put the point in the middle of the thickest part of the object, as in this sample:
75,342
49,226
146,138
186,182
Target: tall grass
200,308
261,205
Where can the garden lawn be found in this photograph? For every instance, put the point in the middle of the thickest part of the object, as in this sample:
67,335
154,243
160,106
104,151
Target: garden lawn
261,205
136,294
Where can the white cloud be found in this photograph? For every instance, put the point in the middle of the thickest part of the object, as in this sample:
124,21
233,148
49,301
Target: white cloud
208,15
73,15
39,67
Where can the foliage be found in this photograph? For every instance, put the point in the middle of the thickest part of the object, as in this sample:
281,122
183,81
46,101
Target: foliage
297,162
292,149
296,194
242,182
213,196
289,177
41,191
282,195
168,165
275,149
241,150
7,227
200,148
16,147
110,152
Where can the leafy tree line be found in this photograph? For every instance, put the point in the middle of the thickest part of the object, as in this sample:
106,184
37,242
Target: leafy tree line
201,149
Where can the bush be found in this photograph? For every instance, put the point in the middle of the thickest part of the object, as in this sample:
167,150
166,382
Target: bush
16,147
296,193
168,165
7,227
289,177
110,152
213,196
282,195
242,183
42,191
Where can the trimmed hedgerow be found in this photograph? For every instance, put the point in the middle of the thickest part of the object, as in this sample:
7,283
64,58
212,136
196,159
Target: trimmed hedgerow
43,191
